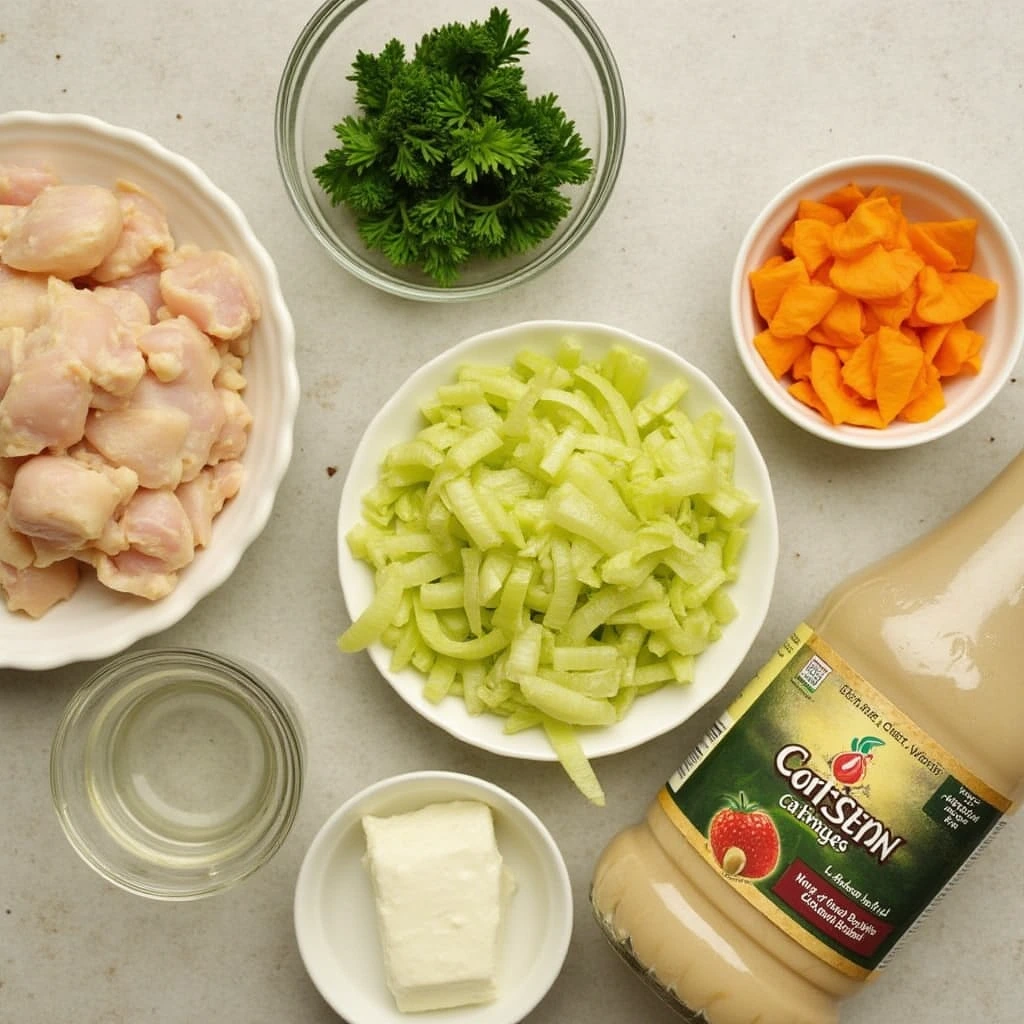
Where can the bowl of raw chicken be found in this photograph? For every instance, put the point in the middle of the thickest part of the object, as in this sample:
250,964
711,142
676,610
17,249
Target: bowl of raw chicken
148,388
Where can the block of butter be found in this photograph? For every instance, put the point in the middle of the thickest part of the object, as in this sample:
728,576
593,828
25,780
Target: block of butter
440,887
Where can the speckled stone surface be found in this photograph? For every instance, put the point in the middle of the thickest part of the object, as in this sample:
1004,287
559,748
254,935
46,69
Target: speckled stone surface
726,104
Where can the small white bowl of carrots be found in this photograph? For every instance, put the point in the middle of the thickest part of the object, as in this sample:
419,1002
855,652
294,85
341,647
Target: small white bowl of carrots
878,302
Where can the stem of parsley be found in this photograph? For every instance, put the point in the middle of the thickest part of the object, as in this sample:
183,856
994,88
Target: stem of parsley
438,133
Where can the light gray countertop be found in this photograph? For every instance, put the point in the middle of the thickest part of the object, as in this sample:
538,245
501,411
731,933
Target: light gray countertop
727,102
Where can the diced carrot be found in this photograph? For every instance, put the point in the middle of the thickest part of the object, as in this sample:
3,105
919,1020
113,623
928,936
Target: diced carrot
924,375
859,371
843,323
844,405
881,192
802,391
893,312
897,366
958,351
769,283
878,274
867,316
801,307
953,296
811,242
869,319
811,209
780,353
930,401
957,237
934,254
845,199
932,338
873,222
801,369
820,276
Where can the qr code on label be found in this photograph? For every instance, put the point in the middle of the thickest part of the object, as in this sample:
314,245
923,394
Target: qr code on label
814,673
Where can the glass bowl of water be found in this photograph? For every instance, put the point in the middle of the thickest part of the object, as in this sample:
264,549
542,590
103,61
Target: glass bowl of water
176,773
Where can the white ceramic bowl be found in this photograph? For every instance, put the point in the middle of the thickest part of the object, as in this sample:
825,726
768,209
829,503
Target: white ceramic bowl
928,193
97,622
568,56
653,714
335,916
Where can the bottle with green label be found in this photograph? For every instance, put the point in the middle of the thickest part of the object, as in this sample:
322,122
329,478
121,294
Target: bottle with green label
842,791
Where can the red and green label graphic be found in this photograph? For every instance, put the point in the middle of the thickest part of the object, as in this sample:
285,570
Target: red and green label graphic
851,766
744,839
829,809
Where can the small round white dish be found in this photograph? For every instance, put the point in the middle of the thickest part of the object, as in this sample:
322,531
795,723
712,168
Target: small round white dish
927,193
656,713
335,915
97,622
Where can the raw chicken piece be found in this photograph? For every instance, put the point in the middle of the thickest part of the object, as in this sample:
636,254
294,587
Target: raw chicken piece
35,591
92,330
22,299
46,402
129,306
230,374
234,434
145,284
160,542
156,524
15,548
65,503
212,288
20,183
145,231
111,540
148,439
8,467
177,351
8,215
67,230
167,427
12,340
204,497
132,572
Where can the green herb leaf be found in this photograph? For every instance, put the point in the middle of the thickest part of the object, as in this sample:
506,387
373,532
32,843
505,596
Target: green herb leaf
449,158
487,147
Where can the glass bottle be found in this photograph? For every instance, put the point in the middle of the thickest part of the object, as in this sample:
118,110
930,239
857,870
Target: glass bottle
882,744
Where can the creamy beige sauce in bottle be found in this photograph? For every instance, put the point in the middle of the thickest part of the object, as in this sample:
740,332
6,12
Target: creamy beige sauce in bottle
938,629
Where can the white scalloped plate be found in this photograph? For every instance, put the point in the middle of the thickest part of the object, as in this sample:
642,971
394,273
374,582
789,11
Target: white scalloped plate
97,622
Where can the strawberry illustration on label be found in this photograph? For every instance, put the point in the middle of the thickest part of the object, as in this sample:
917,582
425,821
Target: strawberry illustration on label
850,767
744,839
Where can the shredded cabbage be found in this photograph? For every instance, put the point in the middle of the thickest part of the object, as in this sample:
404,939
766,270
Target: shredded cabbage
553,544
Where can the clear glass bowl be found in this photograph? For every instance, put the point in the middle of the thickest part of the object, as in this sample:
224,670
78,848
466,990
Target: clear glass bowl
176,773
568,56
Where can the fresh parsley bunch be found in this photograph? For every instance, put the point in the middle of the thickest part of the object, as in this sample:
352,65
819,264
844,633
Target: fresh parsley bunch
451,158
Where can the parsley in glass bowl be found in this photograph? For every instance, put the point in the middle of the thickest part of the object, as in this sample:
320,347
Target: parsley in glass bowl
447,149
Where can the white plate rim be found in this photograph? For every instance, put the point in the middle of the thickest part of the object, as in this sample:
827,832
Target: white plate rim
28,645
